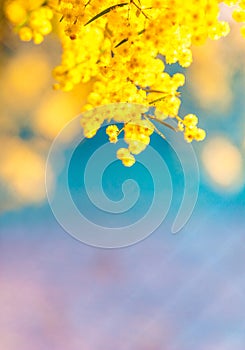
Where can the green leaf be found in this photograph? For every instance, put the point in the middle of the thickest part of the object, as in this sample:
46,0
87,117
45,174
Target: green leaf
104,12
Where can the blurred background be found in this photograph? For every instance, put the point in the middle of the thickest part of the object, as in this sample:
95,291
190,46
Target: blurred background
173,292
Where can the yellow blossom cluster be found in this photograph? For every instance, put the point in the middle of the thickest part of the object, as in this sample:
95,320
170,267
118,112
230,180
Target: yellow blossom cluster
189,126
136,135
239,13
31,18
123,46
112,131
125,156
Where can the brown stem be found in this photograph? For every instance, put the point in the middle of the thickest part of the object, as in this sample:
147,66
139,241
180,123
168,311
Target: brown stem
162,122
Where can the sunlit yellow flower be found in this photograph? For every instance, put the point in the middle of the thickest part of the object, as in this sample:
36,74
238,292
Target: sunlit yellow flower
126,157
121,47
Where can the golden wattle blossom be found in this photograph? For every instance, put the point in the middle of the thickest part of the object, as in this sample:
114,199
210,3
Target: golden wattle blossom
121,46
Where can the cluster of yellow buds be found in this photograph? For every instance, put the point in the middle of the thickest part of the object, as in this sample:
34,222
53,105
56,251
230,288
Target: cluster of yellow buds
239,16
112,131
32,19
125,156
136,135
189,126
123,47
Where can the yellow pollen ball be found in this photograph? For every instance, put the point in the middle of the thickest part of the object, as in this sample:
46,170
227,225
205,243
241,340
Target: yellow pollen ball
25,34
200,135
128,161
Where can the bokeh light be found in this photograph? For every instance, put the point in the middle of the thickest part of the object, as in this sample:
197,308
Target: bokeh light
223,163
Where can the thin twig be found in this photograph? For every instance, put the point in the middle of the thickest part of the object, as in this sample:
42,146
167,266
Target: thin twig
126,39
132,2
162,122
155,128
158,99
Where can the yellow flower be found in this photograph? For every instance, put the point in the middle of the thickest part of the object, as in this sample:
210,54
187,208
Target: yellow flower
25,34
120,48
239,15
15,12
112,130
190,120
200,134
126,157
